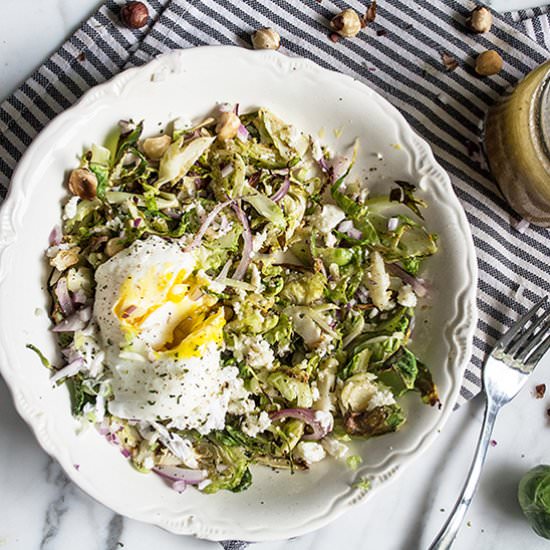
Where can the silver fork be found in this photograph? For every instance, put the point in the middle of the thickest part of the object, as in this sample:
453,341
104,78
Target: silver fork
505,372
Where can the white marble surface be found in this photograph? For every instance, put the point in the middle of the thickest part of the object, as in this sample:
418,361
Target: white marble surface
41,510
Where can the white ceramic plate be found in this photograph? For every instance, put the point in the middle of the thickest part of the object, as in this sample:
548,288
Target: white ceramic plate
189,83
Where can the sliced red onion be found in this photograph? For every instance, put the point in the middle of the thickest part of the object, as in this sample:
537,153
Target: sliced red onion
282,191
85,314
187,475
247,248
305,415
137,222
125,452
76,321
70,370
206,224
55,236
323,164
63,297
179,486
420,286
393,223
80,297
227,170
70,324
242,133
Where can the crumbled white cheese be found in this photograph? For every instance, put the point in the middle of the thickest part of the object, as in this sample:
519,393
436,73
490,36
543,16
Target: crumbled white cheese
309,452
382,397
203,484
239,402
258,241
378,283
69,212
329,217
256,279
255,424
255,350
330,240
326,420
406,296
335,448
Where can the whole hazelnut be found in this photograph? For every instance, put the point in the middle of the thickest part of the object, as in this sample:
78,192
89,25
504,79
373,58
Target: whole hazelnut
266,39
228,126
480,20
114,246
134,15
347,23
83,183
488,63
155,147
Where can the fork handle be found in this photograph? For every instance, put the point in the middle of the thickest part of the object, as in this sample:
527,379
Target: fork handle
447,535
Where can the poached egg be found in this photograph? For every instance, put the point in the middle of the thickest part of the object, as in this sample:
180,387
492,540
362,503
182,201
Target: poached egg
162,333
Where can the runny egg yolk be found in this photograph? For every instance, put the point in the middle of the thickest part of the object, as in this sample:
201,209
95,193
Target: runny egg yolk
174,306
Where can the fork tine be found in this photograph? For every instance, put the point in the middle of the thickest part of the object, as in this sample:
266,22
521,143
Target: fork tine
538,354
523,337
518,325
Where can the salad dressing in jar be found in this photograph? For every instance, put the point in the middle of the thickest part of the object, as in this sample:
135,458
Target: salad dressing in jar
517,141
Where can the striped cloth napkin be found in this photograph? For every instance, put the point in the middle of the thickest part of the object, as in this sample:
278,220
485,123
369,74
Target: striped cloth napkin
399,55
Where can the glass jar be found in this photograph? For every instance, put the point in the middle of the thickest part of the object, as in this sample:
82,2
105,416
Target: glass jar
517,141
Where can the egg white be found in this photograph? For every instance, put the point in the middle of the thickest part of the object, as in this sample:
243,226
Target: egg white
162,334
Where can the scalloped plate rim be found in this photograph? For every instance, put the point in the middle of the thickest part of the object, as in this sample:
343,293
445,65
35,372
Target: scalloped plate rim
464,327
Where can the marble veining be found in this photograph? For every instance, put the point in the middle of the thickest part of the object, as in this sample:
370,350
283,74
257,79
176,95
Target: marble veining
41,510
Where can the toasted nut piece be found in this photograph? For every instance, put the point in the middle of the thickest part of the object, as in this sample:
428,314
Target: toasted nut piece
83,182
488,63
228,126
155,147
65,258
134,15
113,246
347,23
480,20
266,39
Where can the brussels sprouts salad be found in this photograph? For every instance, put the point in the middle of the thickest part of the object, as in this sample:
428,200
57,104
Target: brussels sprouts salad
227,294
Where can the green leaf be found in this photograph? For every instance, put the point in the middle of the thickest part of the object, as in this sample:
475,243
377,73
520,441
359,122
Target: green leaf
43,358
127,140
399,372
405,195
425,385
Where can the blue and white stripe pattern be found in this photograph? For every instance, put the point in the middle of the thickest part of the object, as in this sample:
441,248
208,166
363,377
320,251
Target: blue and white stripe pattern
399,55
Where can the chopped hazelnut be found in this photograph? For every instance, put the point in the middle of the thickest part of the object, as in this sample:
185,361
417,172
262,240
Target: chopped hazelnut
347,23
480,20
65,258
228,126
134,15
266,39
488,63
83,183
155,147
113,246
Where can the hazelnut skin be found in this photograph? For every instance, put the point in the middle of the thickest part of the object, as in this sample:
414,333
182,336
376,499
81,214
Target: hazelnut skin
83,183
266,39
134,15
488,63
228,126
481,20
347,23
